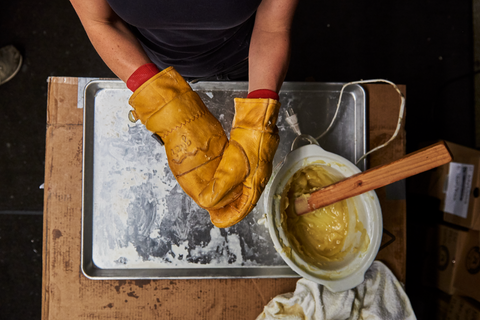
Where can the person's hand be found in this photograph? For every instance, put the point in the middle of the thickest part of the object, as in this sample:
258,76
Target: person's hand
246,164
194,139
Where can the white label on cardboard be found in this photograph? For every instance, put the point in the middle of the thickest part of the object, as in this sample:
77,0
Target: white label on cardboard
458,190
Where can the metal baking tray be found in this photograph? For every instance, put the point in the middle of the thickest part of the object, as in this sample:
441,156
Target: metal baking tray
139,224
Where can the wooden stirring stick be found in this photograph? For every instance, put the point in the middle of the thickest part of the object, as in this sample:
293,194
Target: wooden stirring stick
410,165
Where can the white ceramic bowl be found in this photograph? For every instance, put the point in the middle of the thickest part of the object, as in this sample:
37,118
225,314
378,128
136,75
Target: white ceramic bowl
349,271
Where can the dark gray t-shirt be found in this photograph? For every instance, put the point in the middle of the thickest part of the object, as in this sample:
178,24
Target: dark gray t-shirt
198,37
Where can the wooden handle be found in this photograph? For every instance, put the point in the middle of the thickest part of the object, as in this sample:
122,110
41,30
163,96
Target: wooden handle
411,164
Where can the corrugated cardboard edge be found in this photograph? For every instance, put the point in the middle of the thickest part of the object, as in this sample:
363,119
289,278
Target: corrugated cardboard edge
62,102
60,114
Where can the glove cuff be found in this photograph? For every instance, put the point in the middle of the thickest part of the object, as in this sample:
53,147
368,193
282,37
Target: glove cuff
263,94
141,75
156,93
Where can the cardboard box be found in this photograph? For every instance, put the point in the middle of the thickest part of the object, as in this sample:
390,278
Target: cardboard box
445,248
467,278
461,308
457,185
442,303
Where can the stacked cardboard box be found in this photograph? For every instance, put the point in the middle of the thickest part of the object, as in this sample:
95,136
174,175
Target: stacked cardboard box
467,278
448,242
457,186
461,308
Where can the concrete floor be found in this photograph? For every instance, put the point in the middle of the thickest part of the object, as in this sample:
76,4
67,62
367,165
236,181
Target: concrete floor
426,45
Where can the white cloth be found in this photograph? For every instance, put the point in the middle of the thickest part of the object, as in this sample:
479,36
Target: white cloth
380,296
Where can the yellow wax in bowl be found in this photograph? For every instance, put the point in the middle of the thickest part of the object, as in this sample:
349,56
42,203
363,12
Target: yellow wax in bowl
320,235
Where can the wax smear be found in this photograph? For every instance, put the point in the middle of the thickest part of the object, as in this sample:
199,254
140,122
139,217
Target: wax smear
322,235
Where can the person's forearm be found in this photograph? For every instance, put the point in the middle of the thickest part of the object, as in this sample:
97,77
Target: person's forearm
269,57
118,48
112,39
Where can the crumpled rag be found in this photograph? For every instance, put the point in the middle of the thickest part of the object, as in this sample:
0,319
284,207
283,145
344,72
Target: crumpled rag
380,296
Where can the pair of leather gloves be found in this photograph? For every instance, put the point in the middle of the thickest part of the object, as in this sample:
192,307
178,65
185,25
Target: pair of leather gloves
224,177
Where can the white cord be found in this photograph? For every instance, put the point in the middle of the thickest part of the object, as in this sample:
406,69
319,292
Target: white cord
400,116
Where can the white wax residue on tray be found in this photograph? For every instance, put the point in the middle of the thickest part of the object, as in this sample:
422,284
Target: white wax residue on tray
127,162
142,218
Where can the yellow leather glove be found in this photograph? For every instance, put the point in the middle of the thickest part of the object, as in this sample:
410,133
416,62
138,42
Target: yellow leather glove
246,164
194,139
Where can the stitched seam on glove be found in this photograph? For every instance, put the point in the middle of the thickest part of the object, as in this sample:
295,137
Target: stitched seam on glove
260,145
255,178
269,160
158,90
146,83
248,203
234,208
241,183
192,153
250,208
198,116
245,128
187,172
240,147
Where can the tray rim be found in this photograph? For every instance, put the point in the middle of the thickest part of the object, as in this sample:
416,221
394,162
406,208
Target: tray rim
91,271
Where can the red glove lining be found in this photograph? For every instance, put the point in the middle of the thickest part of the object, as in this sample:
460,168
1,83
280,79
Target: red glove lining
263,94
141,75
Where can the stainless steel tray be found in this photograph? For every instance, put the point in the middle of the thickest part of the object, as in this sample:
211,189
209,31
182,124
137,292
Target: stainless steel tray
137,221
